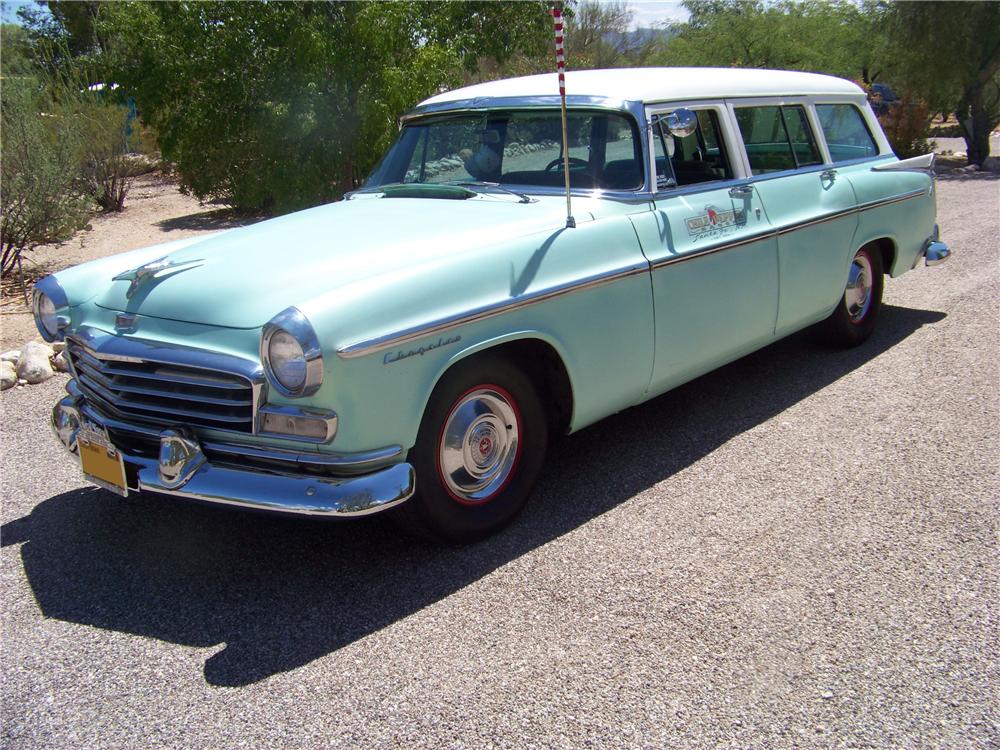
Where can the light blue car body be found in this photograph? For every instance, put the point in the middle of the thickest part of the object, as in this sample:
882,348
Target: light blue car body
628,303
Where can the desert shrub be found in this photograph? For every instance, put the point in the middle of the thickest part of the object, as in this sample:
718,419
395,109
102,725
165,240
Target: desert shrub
40,194
106,171
907,124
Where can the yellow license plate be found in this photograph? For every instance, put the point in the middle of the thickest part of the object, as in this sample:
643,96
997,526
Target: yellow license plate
102,463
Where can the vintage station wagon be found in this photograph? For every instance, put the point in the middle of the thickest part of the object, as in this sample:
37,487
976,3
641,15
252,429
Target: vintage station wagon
417,344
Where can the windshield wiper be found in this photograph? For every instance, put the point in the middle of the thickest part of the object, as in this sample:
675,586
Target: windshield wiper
495,185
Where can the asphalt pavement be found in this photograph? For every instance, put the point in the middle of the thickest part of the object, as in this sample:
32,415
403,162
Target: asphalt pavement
798,550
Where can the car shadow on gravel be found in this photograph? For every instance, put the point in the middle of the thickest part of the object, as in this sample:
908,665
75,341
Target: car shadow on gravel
281,592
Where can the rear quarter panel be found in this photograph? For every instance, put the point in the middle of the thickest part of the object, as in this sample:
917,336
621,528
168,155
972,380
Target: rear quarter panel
898,205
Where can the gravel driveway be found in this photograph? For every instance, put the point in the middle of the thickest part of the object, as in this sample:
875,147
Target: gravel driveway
799,550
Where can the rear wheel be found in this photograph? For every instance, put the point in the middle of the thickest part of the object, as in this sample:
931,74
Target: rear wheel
854,319
480,448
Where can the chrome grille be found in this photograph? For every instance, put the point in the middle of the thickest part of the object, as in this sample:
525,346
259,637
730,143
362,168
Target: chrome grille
163,393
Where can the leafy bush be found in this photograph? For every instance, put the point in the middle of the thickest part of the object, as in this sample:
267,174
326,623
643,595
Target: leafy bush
907,123
278,106
40,196
106,171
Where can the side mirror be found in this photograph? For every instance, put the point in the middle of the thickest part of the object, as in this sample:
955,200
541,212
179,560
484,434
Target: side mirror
681,122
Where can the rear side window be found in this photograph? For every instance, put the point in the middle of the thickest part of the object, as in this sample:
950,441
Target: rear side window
847,135
699,157
777,138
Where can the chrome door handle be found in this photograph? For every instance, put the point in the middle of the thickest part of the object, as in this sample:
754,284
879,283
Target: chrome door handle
741,191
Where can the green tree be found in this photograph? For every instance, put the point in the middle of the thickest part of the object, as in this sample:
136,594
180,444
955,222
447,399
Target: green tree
829,37
277,106
40,198
950,52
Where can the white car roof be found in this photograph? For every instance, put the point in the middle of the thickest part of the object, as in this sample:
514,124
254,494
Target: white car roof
659,84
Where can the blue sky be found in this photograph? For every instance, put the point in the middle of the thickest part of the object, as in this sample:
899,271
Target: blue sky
651,13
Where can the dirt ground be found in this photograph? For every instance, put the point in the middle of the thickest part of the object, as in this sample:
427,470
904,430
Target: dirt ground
156,211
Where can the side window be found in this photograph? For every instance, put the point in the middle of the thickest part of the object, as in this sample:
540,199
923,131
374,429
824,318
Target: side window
847,135
801,137
699,157
777,138
765,139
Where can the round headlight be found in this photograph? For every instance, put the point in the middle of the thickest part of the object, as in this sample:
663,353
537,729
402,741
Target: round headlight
51,309
47,317
287,360
291,354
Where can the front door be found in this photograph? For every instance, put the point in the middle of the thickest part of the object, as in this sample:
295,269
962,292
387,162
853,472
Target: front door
712,251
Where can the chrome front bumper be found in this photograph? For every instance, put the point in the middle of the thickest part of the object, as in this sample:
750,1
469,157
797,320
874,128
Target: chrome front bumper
182,469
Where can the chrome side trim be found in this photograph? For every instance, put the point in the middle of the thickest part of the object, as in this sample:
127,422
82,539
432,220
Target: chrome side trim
701,252
895,199
787,229
380,343
369,346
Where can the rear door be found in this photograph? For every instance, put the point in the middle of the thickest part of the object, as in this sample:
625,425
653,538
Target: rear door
809,204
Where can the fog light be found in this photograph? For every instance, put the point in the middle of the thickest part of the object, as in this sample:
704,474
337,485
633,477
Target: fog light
298,424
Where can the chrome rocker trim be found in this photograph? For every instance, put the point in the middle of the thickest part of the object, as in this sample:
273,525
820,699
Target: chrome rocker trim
243,487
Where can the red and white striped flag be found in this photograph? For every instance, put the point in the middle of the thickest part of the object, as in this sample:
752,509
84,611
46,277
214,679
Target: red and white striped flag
557,20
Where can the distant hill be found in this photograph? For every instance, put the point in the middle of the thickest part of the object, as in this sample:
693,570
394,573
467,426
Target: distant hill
638,37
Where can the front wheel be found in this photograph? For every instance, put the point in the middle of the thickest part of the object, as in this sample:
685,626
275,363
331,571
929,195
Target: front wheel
854,318
480,447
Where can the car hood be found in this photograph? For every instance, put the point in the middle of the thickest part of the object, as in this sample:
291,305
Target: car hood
243,277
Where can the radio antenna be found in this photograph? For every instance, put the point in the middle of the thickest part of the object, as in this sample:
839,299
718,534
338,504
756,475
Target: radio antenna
557,20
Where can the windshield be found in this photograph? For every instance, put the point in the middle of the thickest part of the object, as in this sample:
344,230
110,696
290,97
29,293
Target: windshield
522,148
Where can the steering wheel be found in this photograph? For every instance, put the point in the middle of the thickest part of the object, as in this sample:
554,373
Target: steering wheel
573,162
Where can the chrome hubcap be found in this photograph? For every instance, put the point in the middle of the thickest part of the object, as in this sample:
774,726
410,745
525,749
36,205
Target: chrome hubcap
858,295
479,445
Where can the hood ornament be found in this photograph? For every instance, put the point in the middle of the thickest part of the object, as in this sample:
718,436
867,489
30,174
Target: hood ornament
159,269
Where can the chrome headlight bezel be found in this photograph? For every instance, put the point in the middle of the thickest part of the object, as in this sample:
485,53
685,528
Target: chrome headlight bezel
47,289
292,322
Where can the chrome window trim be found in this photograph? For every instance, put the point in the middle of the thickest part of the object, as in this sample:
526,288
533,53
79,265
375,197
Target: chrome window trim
729,138
634,108
293,322
398,338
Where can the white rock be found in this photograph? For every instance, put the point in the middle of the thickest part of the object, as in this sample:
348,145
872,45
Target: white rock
8,376
34,365
12,356
60,363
